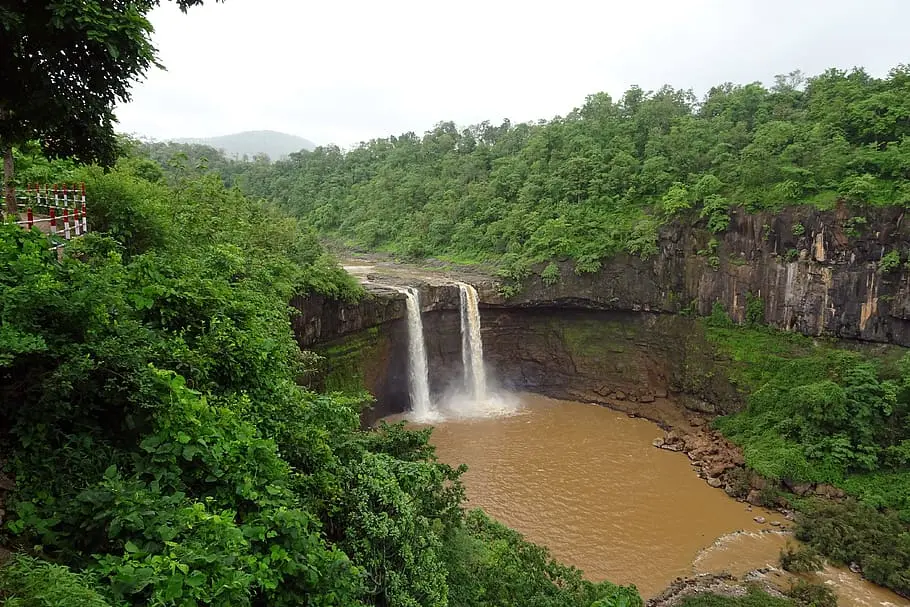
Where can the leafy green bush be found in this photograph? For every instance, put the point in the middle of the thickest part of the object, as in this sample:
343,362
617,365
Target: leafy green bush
802,559
719,316
550,274
889,262
755,310
808,594
489,564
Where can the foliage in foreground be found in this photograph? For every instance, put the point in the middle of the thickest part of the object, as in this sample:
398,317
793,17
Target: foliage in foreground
28,582
164,454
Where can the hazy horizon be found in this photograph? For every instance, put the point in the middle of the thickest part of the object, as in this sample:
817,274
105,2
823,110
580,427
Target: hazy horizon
352,71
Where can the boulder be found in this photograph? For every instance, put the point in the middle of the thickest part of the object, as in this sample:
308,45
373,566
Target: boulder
801,489
619,395
715,482
757,482
646,398
658,442
754,497
759,519
718,468
829,491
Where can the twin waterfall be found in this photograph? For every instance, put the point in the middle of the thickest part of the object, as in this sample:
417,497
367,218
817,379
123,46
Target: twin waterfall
475,377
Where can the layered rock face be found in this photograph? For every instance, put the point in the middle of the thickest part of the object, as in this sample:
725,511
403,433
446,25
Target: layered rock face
626,332
814,272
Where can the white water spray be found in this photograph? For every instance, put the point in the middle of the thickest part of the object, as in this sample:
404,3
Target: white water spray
418,373
475,376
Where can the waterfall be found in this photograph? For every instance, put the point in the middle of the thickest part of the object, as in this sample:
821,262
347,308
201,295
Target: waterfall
418,373
475,376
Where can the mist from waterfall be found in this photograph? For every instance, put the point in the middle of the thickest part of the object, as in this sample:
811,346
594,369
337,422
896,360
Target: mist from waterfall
477,396
418,370
475,375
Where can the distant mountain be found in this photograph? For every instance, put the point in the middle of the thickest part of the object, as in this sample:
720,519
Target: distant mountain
276,145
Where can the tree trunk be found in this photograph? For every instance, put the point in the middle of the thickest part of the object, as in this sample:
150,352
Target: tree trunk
8,186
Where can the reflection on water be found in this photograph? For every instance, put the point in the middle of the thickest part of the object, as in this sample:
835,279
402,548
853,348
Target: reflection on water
586,482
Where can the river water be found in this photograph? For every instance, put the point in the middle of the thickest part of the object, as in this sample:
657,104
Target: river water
587,483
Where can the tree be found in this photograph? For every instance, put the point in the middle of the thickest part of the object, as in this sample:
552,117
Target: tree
64,65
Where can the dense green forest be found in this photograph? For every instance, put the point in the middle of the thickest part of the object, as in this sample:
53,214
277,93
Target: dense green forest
164,455
605,177
827,412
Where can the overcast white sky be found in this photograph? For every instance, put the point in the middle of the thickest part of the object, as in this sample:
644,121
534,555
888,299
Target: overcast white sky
343,71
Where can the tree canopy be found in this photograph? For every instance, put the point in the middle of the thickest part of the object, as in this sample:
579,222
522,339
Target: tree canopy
603,178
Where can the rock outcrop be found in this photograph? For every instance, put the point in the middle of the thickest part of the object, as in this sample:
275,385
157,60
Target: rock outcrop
815,272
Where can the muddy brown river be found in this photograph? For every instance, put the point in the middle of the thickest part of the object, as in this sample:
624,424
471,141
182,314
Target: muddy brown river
587,483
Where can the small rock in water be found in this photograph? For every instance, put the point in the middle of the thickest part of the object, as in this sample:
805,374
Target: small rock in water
759,519
775,523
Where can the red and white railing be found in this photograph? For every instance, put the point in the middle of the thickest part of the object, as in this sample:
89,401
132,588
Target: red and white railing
56,210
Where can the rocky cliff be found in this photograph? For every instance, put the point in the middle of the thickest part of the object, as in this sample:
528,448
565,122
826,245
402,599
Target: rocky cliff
626,332
815,272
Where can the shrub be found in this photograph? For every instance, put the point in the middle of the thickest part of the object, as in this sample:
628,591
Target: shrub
550,274
889,262
755,310
807,594
802,559
29,582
